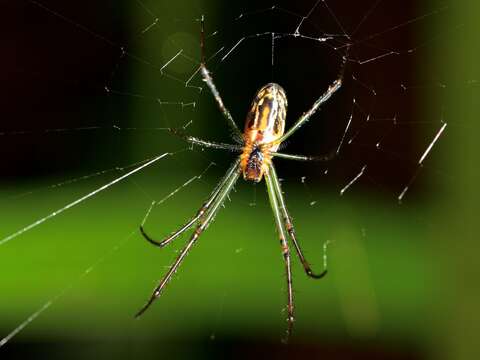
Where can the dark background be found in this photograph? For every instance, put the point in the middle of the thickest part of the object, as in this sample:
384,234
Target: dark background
62,75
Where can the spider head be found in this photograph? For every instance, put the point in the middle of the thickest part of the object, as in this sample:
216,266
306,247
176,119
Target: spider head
253,168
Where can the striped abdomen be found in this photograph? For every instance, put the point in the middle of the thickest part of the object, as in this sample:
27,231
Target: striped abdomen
265,123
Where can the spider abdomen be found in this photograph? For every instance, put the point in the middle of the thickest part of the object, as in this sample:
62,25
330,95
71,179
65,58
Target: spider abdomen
264,124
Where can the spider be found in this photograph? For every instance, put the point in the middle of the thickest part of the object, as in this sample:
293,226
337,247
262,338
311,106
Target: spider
263,133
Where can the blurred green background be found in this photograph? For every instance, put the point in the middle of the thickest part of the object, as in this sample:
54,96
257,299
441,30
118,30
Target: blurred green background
403,278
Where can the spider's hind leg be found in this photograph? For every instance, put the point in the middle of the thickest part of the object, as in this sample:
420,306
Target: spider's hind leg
332,89
207,78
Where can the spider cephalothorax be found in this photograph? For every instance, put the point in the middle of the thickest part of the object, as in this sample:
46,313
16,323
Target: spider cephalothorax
253,165
265,123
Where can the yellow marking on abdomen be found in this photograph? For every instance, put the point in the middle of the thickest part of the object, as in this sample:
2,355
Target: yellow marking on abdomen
264,124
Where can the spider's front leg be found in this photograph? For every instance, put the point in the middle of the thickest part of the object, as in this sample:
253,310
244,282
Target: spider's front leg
290,229
200,212
205,218
285,251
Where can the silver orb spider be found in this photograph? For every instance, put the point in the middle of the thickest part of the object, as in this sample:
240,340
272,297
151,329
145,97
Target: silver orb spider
263,133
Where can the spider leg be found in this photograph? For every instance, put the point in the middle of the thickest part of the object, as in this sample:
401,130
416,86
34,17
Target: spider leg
202,225
289,225
213,89
316,105
206,205
204,143
326,157
272,196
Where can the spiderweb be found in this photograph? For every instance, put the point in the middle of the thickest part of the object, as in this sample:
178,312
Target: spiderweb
92,131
